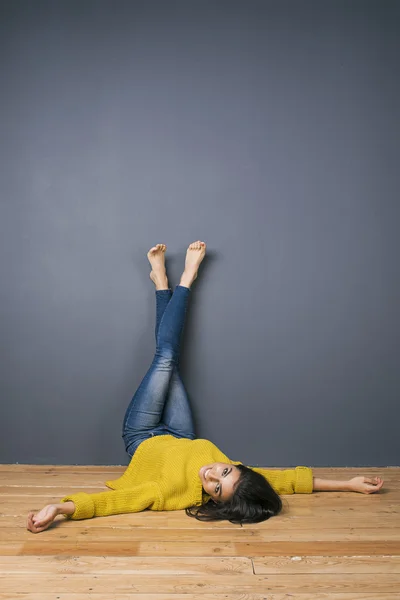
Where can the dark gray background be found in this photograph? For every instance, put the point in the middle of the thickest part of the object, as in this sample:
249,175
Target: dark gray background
269,129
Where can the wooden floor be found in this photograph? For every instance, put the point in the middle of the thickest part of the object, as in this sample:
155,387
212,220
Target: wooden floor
328,545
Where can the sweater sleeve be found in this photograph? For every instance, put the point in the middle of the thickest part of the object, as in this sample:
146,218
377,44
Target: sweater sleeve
289,481
115,502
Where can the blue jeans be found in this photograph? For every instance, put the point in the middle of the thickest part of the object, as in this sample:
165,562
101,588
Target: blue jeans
160,405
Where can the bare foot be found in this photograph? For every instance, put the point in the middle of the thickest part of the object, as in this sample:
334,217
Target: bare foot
158,274
194,256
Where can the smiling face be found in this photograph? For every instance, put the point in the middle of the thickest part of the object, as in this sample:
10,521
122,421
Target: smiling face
219,480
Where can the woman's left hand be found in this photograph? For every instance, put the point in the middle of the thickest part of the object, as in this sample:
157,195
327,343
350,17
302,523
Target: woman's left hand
365,485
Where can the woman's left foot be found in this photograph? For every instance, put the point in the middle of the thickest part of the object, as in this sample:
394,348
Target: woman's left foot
158,274
194,256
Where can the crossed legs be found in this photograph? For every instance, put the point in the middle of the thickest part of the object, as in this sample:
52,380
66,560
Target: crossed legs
160,405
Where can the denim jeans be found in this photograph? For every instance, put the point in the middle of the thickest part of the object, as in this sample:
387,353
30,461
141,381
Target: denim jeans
160,405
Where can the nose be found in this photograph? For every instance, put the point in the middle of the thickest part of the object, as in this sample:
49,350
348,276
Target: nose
211,476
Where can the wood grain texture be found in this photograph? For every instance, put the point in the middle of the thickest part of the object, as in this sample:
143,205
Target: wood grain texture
328,546
211,584
194,595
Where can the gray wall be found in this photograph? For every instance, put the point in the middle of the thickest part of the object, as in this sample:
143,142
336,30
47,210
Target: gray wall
269,129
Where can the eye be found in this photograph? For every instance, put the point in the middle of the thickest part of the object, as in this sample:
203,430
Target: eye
217,487
225,471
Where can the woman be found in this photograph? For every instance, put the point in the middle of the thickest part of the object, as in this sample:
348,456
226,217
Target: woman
169,468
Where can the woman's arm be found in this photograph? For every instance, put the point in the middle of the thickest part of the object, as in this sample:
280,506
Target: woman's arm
101,504
288,481
361,484
301,481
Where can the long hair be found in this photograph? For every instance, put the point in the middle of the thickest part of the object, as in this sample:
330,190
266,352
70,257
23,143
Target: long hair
253,500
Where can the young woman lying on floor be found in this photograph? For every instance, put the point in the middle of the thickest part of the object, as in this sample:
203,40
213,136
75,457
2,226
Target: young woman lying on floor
169,468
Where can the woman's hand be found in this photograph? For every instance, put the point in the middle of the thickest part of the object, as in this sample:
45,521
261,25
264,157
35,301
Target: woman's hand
365,485
43,519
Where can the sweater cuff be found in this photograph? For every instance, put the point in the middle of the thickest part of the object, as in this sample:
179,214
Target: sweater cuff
304,480
84,506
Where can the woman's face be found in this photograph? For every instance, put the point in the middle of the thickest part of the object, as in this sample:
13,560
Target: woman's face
219,480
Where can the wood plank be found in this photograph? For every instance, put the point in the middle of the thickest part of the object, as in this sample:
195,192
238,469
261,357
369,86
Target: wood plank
125,566
216,584
58,478
22,491
35,546
323,564
207,534
192,566
31,468
199,596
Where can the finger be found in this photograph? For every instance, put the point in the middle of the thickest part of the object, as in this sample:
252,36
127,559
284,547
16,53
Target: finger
373,481
41,523
32,528
372,489
378,483
30,521
36,529
43,527
37,519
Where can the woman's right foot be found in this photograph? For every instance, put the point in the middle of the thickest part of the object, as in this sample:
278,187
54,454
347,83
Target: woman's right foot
194,256
158,274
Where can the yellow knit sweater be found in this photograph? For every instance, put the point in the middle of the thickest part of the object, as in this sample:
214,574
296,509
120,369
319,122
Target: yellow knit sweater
164,475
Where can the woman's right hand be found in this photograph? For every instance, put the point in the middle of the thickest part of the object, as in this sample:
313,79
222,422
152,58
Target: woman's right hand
43,519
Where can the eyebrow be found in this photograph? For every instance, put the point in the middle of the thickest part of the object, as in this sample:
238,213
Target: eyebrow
220,487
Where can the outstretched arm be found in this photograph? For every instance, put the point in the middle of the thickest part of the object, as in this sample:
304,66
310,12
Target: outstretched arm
301,481
365,485
101,504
